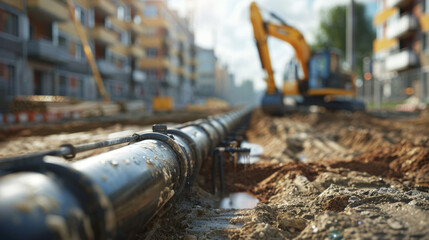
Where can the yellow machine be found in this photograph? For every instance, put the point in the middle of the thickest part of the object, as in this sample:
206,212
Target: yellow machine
162,104
312,75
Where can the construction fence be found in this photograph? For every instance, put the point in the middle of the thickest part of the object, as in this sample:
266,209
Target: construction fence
395,88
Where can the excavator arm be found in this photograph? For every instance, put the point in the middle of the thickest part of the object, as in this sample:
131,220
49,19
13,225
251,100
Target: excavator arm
284,32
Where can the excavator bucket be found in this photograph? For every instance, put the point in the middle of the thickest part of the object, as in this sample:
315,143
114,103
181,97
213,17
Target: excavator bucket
272,104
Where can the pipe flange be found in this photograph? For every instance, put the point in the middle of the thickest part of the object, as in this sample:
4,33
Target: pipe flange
225,129
196,154
177,149
205,131
219,134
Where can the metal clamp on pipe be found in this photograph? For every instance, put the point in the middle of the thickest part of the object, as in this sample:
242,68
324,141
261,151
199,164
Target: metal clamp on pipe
196,155
183,159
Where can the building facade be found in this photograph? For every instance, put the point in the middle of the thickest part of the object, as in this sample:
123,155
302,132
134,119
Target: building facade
170,63
401,49
141,50
206,72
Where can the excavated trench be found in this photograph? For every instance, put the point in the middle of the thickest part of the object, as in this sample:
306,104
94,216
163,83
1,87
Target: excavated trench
318,176
314,175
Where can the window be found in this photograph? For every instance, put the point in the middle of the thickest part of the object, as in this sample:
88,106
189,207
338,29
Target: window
91,22
121,13
151,52
8,22
137,19
63,85
7,79
80,15
151,74
151,12
79,51
124,38
62,41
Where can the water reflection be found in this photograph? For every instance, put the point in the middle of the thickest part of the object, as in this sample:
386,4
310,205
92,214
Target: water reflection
240,200
255,151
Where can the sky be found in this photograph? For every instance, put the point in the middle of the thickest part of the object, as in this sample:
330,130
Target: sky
225,26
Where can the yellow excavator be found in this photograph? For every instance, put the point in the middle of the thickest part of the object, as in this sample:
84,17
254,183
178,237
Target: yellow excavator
315,76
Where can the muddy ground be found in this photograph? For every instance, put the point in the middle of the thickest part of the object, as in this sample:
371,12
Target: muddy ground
321,176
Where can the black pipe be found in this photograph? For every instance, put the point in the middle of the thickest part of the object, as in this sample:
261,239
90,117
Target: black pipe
110,195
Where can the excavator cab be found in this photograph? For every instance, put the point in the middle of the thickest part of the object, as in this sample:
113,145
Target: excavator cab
326,72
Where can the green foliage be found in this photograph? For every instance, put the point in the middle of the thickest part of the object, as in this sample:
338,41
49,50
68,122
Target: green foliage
332,32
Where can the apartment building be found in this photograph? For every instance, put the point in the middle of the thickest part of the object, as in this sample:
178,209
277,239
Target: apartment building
401,56
41,54
206,72
170,63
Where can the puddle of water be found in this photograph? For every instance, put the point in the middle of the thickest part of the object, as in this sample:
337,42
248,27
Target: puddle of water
240,200
255,151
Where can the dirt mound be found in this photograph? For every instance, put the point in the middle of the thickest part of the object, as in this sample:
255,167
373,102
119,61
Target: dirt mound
269,187
405,161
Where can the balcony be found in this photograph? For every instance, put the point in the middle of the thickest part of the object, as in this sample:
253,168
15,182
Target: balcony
155,22
175,69
401,27
161,62
11,44
154,42
384,44
401,61
136,29
119,49
104,35
119,24
107,68
105,7
136,51
48,10
70,29
384,15
135,5
13,3
45,50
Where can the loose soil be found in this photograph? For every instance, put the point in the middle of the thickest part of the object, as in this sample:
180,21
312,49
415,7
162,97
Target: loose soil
322,176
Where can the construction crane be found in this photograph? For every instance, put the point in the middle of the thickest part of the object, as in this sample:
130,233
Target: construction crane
88,52
315,76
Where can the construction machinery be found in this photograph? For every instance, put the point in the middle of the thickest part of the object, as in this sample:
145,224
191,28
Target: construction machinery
316,77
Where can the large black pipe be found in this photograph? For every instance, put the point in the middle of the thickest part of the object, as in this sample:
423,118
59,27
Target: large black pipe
110,195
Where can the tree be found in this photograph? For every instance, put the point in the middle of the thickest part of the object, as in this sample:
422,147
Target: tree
332,32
